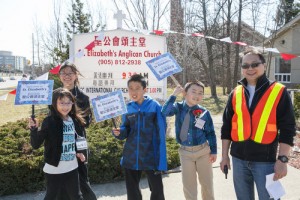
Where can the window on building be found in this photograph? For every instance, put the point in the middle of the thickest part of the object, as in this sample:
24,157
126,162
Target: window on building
282,70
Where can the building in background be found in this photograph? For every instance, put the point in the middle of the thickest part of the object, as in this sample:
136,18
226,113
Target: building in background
11,63
286,40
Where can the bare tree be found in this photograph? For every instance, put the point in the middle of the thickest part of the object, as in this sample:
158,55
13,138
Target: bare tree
278,19
143,14
54,37
98,15
228,52
64,25
237,49
207,22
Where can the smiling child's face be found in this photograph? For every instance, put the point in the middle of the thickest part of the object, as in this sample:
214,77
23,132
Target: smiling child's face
194,95
136,91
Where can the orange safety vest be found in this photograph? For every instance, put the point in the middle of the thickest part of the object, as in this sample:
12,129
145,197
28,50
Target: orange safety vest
261,126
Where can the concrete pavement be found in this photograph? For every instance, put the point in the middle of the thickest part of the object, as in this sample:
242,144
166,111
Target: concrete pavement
173,187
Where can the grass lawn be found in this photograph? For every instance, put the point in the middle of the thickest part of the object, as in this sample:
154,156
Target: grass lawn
215,106
11,112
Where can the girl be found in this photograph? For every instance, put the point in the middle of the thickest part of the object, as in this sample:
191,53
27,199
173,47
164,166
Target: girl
68,75
59,132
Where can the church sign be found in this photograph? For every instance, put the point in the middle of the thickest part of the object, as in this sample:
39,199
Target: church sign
111,57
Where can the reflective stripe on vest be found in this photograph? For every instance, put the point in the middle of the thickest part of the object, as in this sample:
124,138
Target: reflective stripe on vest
239,113
262,128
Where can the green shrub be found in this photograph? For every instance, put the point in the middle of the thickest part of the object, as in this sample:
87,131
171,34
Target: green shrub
57,82
21,167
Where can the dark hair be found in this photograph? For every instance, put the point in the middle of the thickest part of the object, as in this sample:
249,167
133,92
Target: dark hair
75,112
189,84
254,51
137,78
73,68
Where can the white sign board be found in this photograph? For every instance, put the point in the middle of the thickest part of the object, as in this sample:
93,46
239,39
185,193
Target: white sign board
109,106
163,66
34,92
110,60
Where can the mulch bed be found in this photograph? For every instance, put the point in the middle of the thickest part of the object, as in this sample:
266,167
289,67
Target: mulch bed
294,158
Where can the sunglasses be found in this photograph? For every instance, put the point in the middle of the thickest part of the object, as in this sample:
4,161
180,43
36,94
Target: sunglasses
253,65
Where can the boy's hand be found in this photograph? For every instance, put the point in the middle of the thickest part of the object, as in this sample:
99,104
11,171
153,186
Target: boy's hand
33,123
177,90
80,156
213,158
116,131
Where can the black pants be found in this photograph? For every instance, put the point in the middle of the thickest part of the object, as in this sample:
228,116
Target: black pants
84,183
133,189
69,181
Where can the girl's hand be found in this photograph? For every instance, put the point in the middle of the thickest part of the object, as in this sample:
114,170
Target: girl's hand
213,158
116,131
33,123
81,156
178,90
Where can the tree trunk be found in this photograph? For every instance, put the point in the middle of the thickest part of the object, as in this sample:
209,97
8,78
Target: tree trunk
228,74
238,38
212,79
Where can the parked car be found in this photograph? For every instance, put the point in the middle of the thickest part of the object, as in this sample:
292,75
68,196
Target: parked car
2,79
12,78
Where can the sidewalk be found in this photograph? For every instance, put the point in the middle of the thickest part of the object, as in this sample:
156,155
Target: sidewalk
173,187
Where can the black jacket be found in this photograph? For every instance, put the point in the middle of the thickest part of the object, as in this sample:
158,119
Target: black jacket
82,101
51,133
249,150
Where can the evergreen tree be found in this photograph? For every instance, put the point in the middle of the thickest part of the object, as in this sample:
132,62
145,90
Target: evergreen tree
291,9
77,22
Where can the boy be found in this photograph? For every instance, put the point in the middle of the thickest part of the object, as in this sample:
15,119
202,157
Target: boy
144,129
195,133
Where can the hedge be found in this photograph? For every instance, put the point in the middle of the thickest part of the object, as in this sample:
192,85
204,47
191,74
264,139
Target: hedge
21,167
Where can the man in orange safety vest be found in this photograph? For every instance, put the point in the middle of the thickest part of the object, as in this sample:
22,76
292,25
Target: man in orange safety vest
258,116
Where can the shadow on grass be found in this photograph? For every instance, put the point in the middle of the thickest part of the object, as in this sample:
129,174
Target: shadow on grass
215,105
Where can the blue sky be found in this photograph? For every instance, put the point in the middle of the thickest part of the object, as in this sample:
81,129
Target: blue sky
16,19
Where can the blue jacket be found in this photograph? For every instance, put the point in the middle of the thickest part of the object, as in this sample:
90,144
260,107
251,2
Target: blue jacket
196,136
144,128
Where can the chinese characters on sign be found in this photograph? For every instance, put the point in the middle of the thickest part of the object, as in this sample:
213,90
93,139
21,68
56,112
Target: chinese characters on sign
121,41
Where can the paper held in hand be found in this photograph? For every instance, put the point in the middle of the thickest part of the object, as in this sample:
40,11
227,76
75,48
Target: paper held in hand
34,92
163,66
109,106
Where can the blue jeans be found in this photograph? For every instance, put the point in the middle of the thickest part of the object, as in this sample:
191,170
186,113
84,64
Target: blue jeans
245,173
